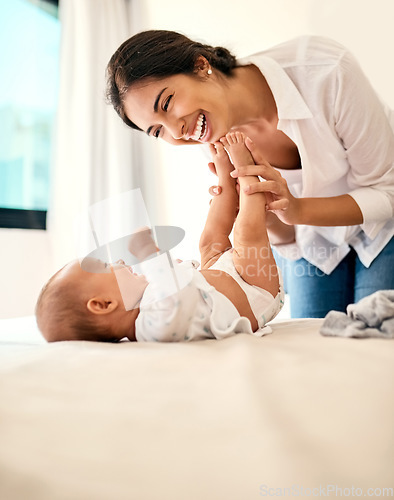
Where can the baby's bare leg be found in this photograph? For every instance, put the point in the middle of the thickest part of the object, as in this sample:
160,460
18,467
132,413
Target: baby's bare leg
214,239
252,255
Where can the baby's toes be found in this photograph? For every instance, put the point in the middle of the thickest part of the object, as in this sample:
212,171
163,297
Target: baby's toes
212,150
239,137
224,142
220,151
231,138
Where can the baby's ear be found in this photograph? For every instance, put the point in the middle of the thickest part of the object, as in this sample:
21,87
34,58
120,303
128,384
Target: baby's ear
99,305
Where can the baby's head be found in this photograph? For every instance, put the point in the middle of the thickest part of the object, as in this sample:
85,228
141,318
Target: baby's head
76,304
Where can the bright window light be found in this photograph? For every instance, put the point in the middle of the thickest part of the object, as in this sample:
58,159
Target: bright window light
29,62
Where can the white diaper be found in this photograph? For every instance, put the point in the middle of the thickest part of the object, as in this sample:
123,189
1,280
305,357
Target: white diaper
264,306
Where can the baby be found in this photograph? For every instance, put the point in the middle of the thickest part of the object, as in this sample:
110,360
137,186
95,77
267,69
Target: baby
237,290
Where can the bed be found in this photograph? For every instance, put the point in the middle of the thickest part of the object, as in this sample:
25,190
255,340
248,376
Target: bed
289,414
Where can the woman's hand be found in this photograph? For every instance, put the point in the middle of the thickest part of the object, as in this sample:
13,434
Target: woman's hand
279,199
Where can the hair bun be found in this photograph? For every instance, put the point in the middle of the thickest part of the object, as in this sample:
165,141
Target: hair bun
223,59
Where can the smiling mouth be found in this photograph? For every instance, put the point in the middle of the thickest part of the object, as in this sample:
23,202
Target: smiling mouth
200,129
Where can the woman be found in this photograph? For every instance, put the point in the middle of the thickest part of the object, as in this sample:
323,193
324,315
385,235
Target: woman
320,137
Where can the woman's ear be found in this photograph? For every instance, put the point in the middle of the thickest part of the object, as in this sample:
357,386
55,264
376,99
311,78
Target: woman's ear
99,305
202,66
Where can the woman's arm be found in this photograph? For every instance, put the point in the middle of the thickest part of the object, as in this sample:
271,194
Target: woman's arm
333,211
279,233
329,211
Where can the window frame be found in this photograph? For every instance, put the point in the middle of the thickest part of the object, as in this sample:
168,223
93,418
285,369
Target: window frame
19,218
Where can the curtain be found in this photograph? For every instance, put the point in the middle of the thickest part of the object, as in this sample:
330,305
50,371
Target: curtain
94,150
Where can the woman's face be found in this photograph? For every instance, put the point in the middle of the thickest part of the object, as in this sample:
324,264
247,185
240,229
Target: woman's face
181,109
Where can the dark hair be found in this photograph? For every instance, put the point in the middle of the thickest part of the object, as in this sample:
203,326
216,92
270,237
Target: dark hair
61,314
158,54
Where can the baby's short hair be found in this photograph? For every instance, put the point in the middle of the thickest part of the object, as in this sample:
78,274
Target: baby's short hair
61,313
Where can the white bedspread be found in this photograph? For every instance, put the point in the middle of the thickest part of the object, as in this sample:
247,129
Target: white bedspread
237,419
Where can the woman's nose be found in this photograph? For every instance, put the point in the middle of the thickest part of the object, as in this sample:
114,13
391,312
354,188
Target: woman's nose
176,128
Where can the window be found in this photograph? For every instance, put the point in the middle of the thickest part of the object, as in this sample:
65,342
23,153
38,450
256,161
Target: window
29,57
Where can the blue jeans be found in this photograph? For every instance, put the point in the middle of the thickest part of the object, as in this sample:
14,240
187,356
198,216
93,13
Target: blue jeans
313,293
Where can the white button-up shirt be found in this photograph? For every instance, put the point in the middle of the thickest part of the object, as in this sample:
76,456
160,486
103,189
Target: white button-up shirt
345,138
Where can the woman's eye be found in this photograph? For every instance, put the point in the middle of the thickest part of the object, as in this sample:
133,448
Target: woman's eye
156,133
167,102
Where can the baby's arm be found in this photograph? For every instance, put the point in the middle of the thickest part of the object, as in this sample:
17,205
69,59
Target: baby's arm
214,239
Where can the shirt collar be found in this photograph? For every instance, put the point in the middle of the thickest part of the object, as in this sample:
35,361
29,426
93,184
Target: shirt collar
289,102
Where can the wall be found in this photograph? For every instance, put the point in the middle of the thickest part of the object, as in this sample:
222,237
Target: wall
244,27
177,181
25,264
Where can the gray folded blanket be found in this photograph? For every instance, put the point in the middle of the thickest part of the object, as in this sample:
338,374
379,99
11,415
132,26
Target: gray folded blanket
372,316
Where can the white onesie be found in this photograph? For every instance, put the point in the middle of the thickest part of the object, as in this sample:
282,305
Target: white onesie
179,305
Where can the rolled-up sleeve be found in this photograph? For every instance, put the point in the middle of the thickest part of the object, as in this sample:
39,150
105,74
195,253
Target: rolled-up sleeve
375,207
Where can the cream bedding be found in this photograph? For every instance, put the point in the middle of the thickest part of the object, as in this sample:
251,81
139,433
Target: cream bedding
292,413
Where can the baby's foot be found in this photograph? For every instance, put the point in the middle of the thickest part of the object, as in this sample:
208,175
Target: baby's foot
234,142
221,159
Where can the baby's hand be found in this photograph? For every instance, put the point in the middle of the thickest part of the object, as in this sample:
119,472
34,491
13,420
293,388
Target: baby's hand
141,244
